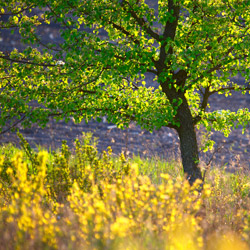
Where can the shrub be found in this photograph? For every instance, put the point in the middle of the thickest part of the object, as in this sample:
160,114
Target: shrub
87,200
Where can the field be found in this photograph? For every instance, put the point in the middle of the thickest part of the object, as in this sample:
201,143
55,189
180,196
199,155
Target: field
81,199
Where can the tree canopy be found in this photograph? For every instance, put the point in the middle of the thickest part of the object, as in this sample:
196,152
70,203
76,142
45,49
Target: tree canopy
98,65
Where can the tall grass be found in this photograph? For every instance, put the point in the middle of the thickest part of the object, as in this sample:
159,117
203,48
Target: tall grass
154,167
81,199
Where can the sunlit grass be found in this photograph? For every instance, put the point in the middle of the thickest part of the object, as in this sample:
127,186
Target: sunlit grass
154,167
86,200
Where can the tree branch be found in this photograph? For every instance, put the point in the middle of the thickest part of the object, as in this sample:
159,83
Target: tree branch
120,28
13,125
170,27
142,23
18,12
27,62
38,40
231,88
204,102
208,93
169,32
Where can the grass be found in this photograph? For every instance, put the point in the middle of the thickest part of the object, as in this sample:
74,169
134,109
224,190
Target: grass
81,199
154,167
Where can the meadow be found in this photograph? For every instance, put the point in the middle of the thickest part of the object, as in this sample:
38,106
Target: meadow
81,199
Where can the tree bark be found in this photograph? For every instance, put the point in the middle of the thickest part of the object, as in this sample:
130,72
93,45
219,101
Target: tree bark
185,130
188,143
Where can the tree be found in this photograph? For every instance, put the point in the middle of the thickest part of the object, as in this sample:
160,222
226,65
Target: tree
106,47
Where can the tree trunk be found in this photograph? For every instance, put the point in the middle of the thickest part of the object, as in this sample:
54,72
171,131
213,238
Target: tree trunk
186,130
188,143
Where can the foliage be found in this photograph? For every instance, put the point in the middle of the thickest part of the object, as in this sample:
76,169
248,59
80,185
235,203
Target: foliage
89,201
104,49
90,74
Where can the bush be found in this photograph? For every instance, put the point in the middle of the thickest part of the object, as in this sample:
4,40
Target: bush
87,200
